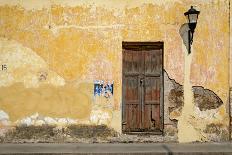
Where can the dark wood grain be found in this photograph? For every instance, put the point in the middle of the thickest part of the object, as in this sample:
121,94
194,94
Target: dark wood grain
142,83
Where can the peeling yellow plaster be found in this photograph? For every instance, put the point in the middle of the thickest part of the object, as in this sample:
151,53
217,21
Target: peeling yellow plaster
109,4
210,61
70,36
24,65
65,101
29,86
230,53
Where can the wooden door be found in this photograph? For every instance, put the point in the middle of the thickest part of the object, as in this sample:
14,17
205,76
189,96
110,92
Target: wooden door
142,87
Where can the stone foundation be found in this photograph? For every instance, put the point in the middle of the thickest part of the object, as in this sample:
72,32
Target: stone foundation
53,134
230,106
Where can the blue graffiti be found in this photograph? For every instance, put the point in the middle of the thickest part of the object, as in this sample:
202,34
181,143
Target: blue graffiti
102,88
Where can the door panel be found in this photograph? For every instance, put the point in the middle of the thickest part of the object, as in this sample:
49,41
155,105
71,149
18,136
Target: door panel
152,103
142,83
153,62
133,119
151,117
132,62
131,87
152,90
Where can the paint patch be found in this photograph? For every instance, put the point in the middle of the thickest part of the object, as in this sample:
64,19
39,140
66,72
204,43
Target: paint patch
65,101
3,115
102,88
39,120
101,116
4,118
22,64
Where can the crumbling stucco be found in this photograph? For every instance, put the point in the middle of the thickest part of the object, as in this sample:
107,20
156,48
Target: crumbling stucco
206,99
54,50
212,116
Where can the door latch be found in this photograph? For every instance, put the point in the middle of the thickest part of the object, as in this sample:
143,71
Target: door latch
141,82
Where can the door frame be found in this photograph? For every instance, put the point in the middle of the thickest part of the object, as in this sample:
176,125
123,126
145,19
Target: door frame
143,46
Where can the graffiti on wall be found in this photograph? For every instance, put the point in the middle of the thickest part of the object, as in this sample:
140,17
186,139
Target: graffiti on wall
102,88
4,67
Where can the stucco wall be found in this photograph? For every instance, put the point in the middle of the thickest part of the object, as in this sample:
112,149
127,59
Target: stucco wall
230,60
55,50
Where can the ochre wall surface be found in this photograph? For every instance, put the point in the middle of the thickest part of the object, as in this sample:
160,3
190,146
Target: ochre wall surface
55,50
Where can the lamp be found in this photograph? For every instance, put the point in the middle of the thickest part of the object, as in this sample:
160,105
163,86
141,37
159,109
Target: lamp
192,16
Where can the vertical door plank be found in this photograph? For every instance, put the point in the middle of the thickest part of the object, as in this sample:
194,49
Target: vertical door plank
131,62
153,68
146,117
156,116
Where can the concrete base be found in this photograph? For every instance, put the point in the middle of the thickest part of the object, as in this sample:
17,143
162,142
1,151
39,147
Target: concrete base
116,149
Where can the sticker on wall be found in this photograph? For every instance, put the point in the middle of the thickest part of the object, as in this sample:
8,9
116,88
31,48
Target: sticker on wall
102,88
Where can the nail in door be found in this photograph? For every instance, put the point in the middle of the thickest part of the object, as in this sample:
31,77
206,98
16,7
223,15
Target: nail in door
142,87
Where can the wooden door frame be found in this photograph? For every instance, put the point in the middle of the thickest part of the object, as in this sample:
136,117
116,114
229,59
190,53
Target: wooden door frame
137,46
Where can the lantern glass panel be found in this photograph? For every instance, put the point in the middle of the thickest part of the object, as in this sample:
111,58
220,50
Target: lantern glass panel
192,18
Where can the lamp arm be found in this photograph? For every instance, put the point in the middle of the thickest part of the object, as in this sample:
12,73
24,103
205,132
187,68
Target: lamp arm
190,40
191,37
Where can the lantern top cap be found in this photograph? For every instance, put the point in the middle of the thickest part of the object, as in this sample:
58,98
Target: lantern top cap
192,11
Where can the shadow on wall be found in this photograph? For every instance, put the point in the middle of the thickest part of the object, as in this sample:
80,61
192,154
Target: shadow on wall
183,31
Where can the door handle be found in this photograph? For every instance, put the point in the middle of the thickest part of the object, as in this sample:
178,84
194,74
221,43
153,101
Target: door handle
141,82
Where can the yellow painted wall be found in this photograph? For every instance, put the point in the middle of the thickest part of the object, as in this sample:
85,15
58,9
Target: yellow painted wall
74,43
230,46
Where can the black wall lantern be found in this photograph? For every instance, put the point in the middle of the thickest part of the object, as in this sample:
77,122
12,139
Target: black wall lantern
192,16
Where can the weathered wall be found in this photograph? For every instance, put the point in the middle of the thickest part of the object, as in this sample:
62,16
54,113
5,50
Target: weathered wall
230,65
230,60
55,50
